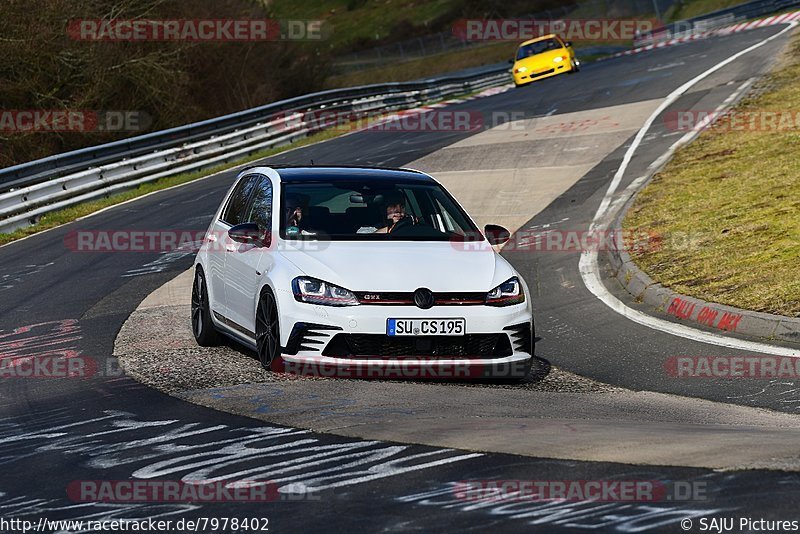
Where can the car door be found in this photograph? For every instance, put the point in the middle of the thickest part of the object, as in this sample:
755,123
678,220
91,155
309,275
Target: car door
243,261
219,242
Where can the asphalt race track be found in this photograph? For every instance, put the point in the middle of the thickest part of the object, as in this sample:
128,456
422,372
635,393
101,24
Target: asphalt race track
54,432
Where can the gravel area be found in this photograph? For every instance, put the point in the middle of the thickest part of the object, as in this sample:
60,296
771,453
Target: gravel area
168,359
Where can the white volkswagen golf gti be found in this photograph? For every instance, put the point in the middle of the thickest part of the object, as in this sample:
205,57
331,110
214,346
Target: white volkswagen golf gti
347,266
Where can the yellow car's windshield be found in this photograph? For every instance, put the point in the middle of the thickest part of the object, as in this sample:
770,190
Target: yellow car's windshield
538,47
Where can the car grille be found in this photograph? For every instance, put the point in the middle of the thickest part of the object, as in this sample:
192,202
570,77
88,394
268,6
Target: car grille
407,299
542,73
382,346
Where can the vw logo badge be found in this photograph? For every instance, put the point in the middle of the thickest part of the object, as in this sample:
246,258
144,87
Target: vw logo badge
423,298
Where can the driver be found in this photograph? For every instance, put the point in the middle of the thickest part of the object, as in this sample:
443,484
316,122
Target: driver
395,213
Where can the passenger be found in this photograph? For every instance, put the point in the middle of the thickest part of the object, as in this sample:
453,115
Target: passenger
295,217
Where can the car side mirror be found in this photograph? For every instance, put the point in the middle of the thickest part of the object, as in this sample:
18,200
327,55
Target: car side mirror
496,235
568,44
248,233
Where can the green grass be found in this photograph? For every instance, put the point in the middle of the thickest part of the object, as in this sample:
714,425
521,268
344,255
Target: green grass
363,19
57,218
474,56
736,196
686,9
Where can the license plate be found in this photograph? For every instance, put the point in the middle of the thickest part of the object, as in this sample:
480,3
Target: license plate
426,327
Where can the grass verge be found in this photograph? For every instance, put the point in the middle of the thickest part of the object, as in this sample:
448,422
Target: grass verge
434,65
351,20
728,205
686,9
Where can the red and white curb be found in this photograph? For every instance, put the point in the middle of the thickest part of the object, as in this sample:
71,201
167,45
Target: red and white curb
769,21
775,19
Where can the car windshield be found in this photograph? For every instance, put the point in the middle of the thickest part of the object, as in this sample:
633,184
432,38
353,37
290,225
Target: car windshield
371,210
538,47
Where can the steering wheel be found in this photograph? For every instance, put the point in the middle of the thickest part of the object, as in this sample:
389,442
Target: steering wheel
406,222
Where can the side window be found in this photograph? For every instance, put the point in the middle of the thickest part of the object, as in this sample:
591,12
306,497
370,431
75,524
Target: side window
234,212
260,210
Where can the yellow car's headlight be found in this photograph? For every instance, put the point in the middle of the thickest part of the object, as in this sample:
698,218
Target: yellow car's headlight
559,59
520,69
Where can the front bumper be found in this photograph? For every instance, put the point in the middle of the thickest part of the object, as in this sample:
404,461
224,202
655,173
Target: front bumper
528,77
352,341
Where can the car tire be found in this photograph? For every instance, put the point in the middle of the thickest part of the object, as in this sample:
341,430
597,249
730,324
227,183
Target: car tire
576,66
202,326
268,339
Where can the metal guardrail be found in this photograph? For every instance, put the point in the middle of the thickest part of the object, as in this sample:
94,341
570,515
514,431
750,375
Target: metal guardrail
714,20
29,190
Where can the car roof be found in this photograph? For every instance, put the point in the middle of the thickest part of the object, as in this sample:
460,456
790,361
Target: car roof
348,173
536,40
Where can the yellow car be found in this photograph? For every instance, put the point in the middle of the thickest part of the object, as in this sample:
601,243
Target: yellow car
543,57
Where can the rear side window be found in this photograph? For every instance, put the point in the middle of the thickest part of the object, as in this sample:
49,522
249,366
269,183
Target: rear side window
234,212
260,211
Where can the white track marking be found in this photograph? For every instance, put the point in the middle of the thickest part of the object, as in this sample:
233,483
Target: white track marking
702,125
588,266
685,139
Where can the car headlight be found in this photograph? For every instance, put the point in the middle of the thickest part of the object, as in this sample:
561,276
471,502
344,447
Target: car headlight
506,294
521,69
315,291
559,59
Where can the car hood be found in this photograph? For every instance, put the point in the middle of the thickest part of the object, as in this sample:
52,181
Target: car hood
400,266
541,61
